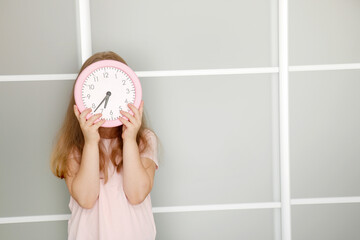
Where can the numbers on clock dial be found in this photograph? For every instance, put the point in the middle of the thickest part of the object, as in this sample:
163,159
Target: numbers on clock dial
104,80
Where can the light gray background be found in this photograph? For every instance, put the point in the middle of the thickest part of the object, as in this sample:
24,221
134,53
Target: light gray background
216,131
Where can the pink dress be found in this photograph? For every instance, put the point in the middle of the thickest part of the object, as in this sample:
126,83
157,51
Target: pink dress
112,216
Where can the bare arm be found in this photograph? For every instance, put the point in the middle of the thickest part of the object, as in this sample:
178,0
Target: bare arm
138,171
137,181
84,181
85,186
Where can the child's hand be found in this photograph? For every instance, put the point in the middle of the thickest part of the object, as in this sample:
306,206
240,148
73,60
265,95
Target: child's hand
89,129
131,128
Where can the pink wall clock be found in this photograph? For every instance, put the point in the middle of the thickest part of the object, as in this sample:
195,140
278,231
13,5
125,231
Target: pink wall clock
107,86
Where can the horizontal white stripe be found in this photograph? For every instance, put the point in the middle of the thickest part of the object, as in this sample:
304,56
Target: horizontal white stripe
42,77
195,72
347,66
168,73
304,201
195,208
202,72
39,218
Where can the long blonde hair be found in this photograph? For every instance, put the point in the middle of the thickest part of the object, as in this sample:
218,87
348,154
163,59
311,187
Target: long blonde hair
70,137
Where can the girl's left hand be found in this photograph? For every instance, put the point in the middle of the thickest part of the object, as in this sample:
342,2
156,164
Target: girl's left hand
131,128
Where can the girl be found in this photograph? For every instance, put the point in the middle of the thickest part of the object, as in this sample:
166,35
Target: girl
109,172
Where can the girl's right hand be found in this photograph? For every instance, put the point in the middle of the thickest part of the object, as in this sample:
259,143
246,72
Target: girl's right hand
88,127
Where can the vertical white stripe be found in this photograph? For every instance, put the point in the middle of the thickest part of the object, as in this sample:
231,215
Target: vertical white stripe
84,27
284,120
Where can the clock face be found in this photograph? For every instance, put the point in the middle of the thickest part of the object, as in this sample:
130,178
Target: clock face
107,87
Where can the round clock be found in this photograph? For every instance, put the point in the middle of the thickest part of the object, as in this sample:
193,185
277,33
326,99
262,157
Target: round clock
107,86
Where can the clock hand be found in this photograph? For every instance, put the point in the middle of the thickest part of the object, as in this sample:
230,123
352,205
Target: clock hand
108,94
106,101
100,103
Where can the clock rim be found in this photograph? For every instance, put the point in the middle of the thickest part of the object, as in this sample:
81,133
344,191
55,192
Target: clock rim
106,63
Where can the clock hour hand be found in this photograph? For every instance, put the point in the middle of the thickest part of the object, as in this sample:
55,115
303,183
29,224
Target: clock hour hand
106,101
108,94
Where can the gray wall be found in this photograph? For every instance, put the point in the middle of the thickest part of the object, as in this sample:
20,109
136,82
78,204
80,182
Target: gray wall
217,131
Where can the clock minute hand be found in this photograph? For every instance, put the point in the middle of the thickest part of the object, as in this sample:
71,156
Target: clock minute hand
100,103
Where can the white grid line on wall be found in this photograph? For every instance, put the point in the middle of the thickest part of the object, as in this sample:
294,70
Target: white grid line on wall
284,121
83,7
194,72
195,208
83,11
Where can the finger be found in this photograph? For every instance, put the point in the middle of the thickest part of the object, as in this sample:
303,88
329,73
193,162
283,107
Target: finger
84,114
91,120
128,115
99,123
134,110
124,121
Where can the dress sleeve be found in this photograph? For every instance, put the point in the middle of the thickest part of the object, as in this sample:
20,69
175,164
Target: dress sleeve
151,150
